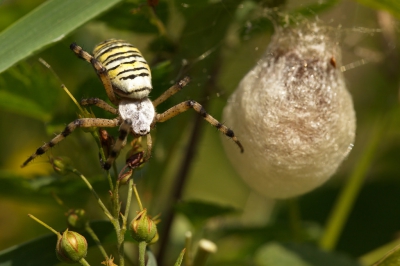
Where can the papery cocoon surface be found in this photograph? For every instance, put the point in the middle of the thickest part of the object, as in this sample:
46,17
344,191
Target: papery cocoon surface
292,113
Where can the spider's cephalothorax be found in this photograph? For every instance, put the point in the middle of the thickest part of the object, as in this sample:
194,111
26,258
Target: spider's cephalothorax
126,77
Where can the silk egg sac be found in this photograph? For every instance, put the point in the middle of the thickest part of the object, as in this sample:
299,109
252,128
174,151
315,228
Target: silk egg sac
292,113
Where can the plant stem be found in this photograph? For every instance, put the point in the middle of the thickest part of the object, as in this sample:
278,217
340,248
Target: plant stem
128,204
83,262
188,248
45,225
137,197
347,197
295,219
96,137
90,231
102,206
142,253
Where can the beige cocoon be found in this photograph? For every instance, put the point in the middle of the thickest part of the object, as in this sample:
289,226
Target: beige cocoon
292,113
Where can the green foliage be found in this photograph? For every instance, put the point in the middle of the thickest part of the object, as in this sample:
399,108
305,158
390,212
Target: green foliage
392,6
215,43
28,252
199,212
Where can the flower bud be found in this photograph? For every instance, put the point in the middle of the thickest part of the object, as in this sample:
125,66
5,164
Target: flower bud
155,239
124,176
62,165
143,228
76,219
71,247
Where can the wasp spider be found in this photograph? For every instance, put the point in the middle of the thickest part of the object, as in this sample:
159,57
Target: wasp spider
126,77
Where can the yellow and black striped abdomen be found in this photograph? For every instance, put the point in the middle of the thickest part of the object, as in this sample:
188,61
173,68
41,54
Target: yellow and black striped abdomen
129,72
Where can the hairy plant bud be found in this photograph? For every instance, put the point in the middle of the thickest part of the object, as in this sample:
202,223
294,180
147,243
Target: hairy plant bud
143,228
62,165
71,247
76,219
292,113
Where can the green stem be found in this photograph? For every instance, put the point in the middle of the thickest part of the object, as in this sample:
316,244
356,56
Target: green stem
142,253
347,197
188,248
205,249
295,219
83,262
121,252
154,19
69,93
137,197
45,225
90,231
128,204
118,230
102,206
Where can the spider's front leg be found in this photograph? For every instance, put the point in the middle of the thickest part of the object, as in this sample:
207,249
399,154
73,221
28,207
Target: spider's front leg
82,122
184,106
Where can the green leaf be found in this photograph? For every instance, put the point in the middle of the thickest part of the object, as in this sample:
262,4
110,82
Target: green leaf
46,24
180,258
392,258
392,6
276,254
293,254
13,103
199,211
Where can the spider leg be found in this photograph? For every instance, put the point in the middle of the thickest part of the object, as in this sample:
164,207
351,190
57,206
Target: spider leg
100,70
82,122
171,91
124,130
99,103
184,106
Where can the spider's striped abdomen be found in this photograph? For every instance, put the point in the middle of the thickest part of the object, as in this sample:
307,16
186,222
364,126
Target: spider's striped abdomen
128,71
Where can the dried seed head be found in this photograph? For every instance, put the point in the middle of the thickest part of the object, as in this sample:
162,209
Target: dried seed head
293,114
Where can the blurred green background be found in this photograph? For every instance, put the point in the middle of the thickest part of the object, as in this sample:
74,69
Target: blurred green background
216,43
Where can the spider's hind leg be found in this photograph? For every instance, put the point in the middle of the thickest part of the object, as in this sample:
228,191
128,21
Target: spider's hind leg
82,122
184,106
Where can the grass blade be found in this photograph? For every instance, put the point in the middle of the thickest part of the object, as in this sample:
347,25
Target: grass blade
48,23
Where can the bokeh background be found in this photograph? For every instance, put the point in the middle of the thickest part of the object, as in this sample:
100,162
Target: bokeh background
216,43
